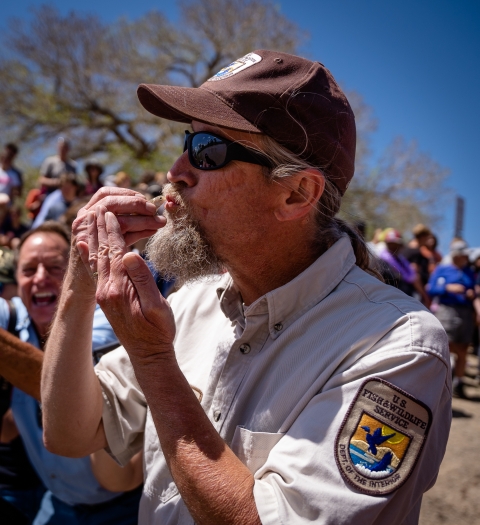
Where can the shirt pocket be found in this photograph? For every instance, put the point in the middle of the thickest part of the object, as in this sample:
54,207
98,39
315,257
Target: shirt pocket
253,448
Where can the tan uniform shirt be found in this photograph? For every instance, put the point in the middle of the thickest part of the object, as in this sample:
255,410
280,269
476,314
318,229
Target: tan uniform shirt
287,383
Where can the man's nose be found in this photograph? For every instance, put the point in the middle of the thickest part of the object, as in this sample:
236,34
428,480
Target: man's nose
41,274
183,171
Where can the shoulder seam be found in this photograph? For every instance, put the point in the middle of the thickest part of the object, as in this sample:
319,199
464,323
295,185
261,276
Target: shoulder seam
375,302
413,345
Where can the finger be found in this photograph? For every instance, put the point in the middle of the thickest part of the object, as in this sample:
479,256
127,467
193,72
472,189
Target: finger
116,243
137,223
141,277
132,238
108,191
126,205
103,260
82,248
92,241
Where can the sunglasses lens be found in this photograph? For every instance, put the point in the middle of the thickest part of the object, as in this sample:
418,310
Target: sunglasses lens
208,151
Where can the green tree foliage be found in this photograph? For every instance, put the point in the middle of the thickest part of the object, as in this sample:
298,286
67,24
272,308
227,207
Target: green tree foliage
77,75
403,188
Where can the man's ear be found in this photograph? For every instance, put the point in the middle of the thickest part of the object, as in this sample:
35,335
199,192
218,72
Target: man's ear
301,193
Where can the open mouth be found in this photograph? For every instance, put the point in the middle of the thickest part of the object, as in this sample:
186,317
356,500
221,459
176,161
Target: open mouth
44,298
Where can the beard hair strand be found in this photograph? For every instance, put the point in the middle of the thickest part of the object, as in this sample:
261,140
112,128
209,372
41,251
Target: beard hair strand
180,250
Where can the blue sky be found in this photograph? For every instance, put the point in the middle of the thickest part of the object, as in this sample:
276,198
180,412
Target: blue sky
415,62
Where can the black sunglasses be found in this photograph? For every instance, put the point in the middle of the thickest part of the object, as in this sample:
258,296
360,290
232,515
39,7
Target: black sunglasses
207,151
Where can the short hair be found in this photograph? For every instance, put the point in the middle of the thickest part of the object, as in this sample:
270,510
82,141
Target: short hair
420,230
46,227
13,148
68,176
121,177
71,213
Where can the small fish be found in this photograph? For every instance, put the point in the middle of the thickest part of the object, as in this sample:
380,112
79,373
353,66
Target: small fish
158,201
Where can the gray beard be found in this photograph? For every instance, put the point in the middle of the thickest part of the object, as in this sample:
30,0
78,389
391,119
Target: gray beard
180,250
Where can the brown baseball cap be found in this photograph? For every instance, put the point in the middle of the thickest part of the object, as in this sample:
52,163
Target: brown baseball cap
291,99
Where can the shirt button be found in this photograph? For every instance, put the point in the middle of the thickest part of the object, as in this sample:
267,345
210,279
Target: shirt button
278,327
217,415
245,348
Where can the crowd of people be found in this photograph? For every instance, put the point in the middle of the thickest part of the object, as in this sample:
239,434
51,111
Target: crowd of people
35,485
449,286
297,386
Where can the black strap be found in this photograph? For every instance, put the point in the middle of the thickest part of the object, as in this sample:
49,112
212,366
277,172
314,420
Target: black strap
5,386
10,515
12,320
100,351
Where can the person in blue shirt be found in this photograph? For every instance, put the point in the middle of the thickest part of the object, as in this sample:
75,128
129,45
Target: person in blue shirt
454,286
73,495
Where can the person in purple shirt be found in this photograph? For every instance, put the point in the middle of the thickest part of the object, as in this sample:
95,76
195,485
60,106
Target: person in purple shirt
403,274
454,285
399,272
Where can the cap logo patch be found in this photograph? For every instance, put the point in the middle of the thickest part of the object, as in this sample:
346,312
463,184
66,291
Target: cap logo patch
237,66
381,437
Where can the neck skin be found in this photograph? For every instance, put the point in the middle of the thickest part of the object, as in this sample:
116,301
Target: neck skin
277,259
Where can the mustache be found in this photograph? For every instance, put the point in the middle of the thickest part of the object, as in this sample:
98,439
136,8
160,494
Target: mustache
175,192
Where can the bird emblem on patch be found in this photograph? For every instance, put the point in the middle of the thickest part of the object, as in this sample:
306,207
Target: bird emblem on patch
381,437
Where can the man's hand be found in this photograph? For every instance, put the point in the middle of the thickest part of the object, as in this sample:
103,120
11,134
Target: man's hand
71,393
126,290
136,216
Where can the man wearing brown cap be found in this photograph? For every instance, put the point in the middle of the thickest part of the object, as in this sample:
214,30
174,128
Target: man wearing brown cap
285,383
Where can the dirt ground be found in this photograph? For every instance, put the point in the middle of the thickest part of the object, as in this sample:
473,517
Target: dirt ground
455,499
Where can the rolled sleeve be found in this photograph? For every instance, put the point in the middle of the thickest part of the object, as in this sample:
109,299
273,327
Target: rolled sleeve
124,405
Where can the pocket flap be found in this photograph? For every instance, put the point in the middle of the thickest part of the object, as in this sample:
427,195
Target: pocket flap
253,448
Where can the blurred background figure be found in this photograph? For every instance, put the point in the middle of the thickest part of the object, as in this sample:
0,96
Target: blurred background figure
399,272
11,225
430,252
454,286
122,180
71,213
58,202
377,245
11,179
8,282
4,211
413,251
93,171
33,202
147,179
54,166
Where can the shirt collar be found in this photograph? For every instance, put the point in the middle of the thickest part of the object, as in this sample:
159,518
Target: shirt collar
286,304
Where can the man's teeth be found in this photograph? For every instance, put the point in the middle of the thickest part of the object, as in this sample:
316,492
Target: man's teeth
44,298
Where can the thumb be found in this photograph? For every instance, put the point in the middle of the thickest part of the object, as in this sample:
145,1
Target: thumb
143,281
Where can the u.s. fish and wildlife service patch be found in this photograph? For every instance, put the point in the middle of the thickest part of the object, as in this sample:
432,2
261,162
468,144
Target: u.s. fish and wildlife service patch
381,437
